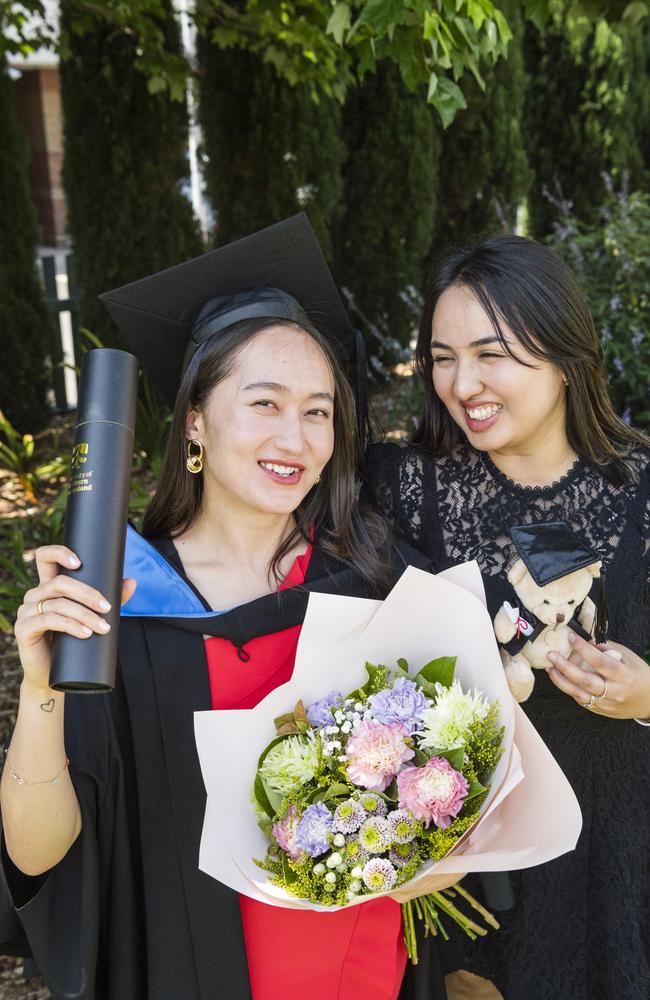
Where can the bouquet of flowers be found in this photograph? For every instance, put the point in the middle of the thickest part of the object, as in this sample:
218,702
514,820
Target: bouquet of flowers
407,781
357,791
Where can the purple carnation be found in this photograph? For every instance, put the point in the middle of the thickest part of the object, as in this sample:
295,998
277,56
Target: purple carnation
404,703
320,713
313,833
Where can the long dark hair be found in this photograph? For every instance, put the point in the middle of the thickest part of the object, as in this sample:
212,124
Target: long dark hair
527,287
329,509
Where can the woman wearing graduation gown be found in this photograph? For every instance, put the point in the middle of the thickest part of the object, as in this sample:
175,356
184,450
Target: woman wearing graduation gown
518,429
103,804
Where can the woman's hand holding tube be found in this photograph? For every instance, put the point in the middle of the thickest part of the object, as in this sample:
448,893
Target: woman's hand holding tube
58,604
40,811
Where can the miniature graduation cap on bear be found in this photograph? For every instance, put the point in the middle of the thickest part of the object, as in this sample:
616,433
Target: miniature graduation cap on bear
277,273
551,582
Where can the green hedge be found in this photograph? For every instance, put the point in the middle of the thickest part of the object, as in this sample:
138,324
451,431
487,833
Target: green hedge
27,327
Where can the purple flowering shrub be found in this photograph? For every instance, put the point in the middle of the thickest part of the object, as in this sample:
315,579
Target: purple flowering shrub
611,259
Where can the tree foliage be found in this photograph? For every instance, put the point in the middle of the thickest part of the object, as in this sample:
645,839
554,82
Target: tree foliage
271,150
584,108
124,164
484,171
322,43
390,179
27,328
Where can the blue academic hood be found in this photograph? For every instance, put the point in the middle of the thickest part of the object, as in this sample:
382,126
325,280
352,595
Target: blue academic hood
161,592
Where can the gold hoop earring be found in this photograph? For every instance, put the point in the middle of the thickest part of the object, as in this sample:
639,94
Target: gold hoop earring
317,481
194,463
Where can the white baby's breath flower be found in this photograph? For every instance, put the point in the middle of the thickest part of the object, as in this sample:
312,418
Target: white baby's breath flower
446,725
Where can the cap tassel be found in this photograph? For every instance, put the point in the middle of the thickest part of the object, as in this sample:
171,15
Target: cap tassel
601,622
361,387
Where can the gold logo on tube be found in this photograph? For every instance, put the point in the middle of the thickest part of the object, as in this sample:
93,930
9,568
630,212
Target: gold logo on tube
79,454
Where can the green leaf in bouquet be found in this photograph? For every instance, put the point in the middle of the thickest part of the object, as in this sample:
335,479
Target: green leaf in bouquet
455,757
262,798
438,671
403,664
390,793
287,871
475,788
377,676
337,790
420,758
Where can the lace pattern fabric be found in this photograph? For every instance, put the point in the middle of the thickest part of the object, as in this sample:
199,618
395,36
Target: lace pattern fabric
460,507
580,927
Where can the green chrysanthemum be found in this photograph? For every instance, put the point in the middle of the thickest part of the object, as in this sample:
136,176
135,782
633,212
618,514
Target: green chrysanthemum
291,763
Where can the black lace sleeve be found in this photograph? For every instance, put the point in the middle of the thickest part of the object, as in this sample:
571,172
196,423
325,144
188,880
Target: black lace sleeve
377,489
400,483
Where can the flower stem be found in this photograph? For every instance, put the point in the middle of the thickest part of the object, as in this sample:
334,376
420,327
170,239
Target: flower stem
487,916
428,908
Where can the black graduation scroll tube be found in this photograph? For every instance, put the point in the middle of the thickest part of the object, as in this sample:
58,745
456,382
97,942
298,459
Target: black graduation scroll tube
96,511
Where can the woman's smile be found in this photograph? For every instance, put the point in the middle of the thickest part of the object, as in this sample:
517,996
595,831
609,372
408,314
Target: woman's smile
281,472
479,417
503,398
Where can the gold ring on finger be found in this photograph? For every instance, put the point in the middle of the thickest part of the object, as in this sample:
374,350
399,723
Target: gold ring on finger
599,697
589,704
39,607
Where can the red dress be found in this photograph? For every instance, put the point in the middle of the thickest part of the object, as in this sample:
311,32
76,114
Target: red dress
352,954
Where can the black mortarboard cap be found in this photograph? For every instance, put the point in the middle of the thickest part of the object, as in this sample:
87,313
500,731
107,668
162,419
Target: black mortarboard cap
551,550
277,272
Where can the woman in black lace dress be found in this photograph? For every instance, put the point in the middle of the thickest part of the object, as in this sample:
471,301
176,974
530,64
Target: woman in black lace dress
518,428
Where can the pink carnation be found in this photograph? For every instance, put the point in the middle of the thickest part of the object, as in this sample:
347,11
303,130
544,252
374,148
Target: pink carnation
375,753
285,833
433,792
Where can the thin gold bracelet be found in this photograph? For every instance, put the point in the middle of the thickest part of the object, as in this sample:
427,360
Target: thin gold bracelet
48,781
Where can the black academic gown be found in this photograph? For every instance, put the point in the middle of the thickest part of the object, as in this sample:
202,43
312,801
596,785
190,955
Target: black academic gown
127,914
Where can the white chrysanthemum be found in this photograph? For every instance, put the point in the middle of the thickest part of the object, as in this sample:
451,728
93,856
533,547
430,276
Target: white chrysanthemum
445,726
291,763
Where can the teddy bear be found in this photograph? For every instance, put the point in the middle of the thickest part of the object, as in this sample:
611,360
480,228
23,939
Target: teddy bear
551,582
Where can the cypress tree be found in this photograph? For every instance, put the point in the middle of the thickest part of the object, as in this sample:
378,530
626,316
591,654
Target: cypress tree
27,326
125,158
484,170
581,115
271,149
390,178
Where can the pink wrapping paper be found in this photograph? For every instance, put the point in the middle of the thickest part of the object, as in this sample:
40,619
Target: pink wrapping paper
531,814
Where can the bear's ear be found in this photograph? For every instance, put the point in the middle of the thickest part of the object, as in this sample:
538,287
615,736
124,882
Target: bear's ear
517,572
595,569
